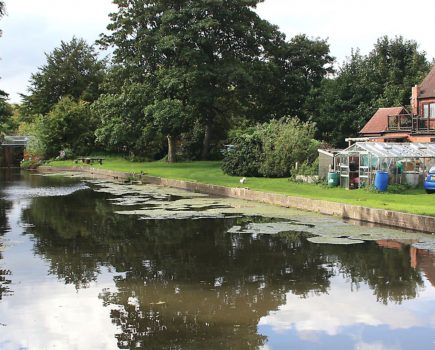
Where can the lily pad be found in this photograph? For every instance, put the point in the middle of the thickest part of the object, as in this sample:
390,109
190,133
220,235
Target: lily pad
153,202
180,215
267,228
154,191
333,240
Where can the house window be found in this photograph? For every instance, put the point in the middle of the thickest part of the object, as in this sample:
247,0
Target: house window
429,110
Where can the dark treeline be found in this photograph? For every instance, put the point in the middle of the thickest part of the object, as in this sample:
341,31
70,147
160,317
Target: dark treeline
186,77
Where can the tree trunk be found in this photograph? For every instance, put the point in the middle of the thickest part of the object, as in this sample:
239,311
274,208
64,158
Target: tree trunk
206,142
171,149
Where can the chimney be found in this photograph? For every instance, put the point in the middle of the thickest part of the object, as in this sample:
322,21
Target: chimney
414,99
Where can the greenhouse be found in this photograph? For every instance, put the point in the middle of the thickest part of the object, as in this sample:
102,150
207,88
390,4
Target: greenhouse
405,163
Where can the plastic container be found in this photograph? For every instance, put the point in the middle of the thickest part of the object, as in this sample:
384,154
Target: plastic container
412,178
381,181
333,179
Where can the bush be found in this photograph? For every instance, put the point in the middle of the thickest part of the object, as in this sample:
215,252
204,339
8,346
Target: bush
69,127
30,164
398,188
244,158
286,142
307,169
272,149
34,147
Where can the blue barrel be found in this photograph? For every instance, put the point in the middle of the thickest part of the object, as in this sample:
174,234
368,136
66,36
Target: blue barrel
381,181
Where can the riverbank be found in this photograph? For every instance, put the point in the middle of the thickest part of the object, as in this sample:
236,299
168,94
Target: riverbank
395,218
414,201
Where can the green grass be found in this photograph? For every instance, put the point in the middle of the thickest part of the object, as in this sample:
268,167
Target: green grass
413,201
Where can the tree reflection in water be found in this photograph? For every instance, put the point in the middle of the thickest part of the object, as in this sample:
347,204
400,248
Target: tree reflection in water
4,274
190,283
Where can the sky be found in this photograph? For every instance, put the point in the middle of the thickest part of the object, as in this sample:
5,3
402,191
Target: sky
33,28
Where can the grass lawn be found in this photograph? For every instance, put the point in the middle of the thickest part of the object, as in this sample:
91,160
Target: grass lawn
413,201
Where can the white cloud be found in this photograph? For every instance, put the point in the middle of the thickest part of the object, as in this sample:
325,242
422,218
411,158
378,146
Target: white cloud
373,346
34,27
352,24
53,316
331,313
43,313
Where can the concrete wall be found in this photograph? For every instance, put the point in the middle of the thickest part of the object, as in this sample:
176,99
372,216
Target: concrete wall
346,211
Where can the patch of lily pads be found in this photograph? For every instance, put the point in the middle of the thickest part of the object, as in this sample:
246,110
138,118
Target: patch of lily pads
70,174
271,228
333,240
158,192
161,203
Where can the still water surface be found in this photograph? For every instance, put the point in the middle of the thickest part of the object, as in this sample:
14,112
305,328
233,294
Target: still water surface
76,275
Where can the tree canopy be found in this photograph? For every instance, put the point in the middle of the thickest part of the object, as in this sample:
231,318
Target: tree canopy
209,58
364,83
69,127
5,108
184,73
73,70
6,111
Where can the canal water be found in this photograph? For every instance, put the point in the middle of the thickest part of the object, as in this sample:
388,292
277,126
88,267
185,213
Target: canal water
86,264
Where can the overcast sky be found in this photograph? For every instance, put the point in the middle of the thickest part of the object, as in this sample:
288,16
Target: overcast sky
33,28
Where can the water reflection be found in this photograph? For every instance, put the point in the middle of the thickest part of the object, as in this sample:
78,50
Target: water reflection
4,280
4,273
190,284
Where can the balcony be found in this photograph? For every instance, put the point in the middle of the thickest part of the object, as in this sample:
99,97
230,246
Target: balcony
414,124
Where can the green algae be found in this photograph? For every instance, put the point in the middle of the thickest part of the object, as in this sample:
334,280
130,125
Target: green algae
119,189
163,203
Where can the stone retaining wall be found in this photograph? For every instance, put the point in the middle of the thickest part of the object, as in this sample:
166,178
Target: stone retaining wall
347,211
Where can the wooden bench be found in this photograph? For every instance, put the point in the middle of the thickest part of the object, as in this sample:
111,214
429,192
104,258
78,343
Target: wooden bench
89,160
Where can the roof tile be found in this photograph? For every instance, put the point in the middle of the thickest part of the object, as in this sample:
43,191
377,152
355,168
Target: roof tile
427,87
379,122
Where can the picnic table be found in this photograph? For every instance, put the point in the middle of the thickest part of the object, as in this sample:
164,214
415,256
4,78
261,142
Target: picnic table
89,160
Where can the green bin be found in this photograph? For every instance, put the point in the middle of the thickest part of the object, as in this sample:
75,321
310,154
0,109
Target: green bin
333,179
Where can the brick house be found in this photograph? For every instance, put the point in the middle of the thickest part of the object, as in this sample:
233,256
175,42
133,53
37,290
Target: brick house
397,124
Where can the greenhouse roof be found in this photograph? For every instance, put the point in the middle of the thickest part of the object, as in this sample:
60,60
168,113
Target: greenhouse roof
393,150
14,140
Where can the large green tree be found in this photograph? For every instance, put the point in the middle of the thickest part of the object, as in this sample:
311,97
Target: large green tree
6,111
282,86
364,83
210,57
5,108
123,126
73,70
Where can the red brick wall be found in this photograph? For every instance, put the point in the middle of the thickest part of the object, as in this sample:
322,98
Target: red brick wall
421,138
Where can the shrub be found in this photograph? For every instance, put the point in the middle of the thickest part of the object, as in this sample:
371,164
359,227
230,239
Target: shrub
272,149
30,164
35,147
286,142
306,168
69,127
244,158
